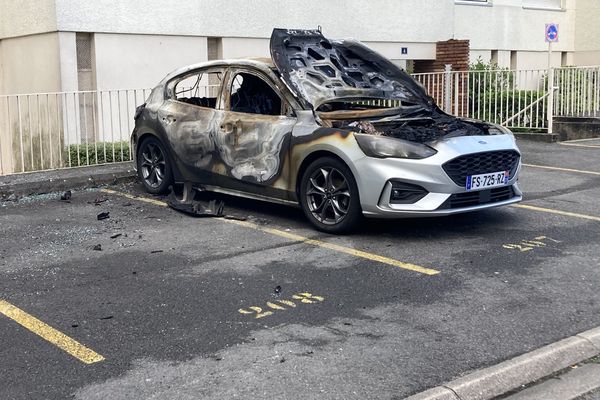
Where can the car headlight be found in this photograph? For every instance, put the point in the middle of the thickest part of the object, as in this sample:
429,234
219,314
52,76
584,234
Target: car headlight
382,147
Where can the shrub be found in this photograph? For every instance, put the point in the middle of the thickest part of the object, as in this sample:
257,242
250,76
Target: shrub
96,153
494,98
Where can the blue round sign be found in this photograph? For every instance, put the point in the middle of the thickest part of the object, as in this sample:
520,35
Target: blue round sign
551,32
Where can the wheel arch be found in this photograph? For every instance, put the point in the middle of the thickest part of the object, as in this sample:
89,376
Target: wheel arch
146,134
315,155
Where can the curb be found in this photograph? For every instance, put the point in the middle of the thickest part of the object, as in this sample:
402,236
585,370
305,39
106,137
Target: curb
538,137
487,383
15,186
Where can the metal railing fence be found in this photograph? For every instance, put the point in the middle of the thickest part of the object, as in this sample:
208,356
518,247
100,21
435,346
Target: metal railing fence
495,96
44,131
68,129
521,99
577,92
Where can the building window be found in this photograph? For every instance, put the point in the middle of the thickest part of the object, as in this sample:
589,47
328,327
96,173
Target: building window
545,4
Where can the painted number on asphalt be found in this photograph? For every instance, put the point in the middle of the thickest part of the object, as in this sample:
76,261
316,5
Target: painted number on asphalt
527,245
281,305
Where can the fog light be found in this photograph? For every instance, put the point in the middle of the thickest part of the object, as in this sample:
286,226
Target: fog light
406,193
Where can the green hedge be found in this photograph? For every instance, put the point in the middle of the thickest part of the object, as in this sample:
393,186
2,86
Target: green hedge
97,153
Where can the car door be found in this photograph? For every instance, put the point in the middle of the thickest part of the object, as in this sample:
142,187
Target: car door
189,116
254,134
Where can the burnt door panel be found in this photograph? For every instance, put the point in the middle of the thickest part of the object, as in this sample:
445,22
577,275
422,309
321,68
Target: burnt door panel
254,150
190,131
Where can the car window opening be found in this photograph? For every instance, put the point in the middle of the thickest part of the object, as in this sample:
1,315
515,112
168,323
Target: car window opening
250,94
199,89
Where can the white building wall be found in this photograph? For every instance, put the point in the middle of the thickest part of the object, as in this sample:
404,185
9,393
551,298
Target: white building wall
125,61
506,25
256,47
2,76
27,17
587,33
537,60
68,62
415,51
30,64
245,47
375,20
136,42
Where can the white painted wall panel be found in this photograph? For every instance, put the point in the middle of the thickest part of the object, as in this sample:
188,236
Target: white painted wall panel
68,62
141,61
373,20
511,27
26,17
30,64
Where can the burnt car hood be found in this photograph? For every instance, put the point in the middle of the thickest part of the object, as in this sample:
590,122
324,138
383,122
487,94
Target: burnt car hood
320,70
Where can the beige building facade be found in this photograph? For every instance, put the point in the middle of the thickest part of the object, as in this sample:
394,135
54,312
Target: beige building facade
70,45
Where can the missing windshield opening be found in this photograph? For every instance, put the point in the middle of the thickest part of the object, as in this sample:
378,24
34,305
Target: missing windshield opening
413,123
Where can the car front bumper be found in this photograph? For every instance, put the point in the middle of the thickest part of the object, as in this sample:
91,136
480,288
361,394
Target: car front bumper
374,178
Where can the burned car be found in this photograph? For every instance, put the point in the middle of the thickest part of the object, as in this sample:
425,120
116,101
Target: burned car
329,125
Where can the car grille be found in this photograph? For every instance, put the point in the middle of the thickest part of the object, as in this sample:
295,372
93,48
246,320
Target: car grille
469,199
481,163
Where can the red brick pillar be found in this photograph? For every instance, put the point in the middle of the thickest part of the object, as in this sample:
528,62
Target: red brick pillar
455,53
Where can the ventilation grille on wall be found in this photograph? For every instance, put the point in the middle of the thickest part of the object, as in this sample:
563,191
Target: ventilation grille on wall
83,46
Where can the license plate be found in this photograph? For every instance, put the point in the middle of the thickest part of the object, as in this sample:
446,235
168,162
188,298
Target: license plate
484,181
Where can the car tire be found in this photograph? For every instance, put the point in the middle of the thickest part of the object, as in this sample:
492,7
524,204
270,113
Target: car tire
153,166
329,196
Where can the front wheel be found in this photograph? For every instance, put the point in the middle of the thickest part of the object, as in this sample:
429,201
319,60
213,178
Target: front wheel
154,169
329,196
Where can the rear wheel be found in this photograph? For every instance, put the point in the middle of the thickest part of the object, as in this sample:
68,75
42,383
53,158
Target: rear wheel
154,169
329,196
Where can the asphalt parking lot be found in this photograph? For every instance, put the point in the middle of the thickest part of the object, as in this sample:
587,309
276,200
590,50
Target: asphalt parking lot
174,307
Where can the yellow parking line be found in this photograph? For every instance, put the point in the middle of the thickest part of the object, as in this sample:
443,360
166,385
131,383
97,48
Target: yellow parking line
50,334
558,212
302,239
579,171
341,249
132,197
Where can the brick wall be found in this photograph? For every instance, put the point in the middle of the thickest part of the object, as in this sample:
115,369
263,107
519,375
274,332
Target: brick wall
456,53
453,52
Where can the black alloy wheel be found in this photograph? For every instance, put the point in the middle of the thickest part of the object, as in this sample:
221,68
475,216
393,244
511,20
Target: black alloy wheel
154,169
329,196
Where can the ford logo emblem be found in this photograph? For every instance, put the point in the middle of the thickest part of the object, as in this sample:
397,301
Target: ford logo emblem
482,142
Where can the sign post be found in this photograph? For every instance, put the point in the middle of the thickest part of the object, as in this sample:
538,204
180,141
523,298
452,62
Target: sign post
551,33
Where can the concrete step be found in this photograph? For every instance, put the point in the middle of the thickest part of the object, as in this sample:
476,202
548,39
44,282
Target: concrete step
572,128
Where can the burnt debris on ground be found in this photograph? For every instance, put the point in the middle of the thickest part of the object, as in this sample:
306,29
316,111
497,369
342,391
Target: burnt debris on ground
188,205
